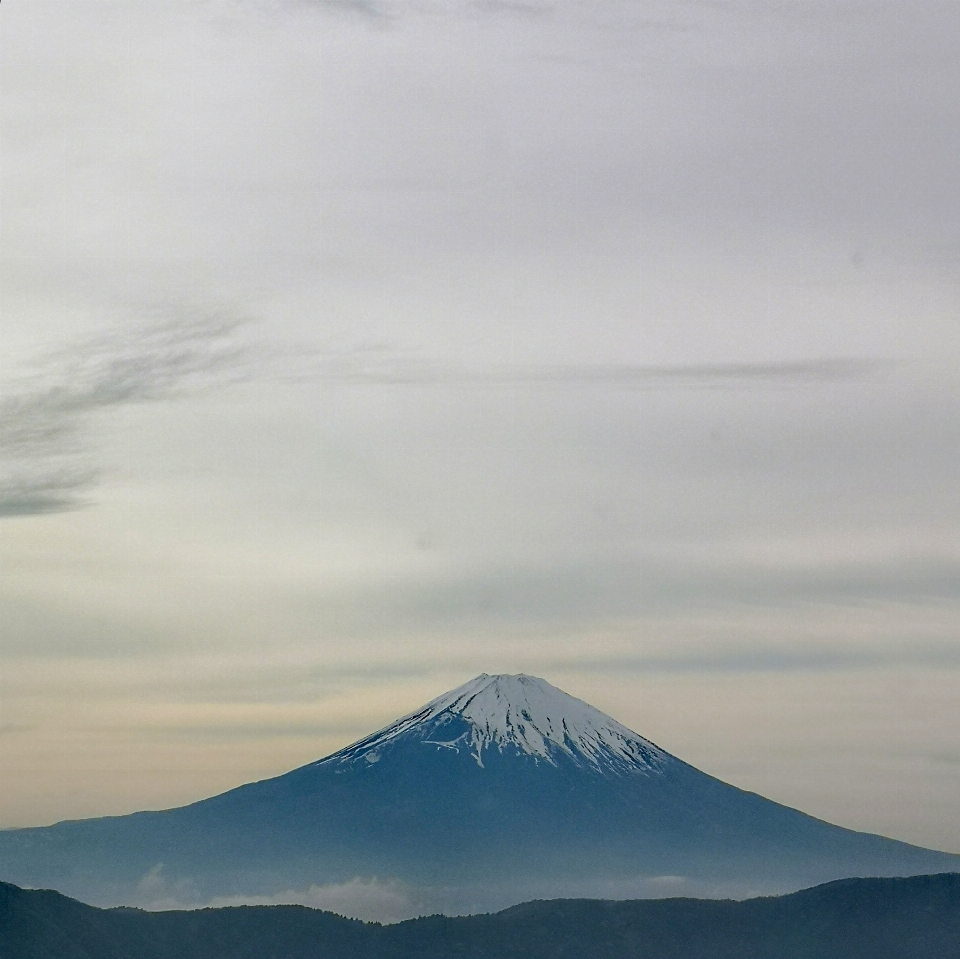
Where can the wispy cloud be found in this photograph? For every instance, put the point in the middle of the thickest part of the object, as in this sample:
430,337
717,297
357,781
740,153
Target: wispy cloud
45,420
384,365
23,494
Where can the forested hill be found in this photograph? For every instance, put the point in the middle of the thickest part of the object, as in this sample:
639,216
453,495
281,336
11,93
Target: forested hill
914,918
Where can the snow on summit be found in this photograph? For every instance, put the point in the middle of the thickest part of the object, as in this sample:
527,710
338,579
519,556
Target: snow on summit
522,712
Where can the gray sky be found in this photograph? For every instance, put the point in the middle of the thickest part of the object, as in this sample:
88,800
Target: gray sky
352,348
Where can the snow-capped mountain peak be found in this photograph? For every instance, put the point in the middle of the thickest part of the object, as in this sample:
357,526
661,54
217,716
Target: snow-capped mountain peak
519,712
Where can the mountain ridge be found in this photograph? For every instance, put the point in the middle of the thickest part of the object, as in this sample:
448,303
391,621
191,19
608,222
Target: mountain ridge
915,918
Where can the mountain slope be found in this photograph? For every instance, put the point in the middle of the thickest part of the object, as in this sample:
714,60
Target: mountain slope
503,790
916,918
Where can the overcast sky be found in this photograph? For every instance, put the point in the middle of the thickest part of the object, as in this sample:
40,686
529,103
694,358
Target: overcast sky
352,348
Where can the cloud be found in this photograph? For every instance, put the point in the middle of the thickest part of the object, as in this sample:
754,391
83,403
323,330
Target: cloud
815,657
373,900
392,900
368,898
44,492
381,365
46,421
611,589
155,891
367,9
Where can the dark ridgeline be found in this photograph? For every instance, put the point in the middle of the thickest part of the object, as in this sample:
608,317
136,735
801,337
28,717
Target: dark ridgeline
915,918
502,791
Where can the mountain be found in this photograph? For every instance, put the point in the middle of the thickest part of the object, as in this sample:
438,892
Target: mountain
917,918
503,790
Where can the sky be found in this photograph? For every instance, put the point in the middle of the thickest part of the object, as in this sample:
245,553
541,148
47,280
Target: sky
351,348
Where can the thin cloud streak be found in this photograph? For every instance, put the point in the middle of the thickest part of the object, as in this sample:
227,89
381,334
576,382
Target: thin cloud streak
764,659
381,366
554,597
